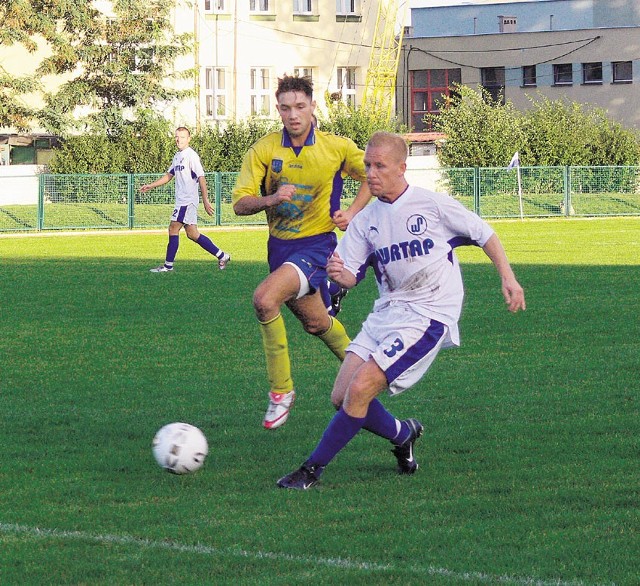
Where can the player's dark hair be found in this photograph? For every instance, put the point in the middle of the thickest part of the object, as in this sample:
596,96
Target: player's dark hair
181,128
293,83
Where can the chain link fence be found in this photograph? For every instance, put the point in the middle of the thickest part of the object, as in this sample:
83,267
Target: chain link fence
73,202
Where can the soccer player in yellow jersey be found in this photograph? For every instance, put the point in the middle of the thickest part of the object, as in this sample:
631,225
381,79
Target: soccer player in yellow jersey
296,177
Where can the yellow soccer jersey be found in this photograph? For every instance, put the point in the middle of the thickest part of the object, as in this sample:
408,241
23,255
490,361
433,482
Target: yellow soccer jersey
317,170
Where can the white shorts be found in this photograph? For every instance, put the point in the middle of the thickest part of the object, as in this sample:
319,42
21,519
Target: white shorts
185,214
403,344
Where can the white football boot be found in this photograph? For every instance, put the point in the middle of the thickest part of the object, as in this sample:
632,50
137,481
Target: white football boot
278,410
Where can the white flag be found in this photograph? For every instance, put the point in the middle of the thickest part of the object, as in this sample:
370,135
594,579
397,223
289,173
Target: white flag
515,161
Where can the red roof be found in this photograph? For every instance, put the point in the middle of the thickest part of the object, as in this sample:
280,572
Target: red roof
424,136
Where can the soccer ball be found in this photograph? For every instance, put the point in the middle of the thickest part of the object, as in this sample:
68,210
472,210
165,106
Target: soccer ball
180,448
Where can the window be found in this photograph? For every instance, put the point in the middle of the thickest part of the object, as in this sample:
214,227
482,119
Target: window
493,82
260,92
430,91
303,72
215,5
622,72
563,74
347,84
592,73
259,5
302,6
529,76
143,60
346,6
216,92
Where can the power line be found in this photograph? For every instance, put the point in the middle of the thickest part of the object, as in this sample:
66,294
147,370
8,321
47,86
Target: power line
586,42
546,46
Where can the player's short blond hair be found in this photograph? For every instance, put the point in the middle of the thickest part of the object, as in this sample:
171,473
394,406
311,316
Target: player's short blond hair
394,142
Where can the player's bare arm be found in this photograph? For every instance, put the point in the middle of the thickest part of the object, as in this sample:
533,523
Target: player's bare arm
342,218
157,183
205,195
338,274
249,204
511,290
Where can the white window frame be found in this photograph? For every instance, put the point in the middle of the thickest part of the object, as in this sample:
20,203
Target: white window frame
260,91
347,78
347,7
215,6
303,6
303,72
216,92
260,6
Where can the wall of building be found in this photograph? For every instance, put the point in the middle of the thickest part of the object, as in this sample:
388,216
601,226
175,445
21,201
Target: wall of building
544,49
281,42
534,16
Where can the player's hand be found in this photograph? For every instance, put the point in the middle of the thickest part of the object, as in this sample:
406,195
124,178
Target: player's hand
145,188
341,219
285,192
208,208
335,265
513,295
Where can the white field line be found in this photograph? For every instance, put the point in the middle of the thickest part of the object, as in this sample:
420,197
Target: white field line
206,550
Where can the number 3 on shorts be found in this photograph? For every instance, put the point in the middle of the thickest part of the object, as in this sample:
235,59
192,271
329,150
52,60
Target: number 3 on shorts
395,347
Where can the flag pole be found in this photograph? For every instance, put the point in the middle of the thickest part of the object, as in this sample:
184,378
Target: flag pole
515,162
520,192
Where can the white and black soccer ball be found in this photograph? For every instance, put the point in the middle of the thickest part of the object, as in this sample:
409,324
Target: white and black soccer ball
180,448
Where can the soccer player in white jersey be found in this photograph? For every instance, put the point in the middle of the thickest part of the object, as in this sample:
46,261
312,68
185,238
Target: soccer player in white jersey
410,235
187,170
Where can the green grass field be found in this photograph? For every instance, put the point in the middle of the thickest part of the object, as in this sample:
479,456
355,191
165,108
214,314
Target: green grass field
529,466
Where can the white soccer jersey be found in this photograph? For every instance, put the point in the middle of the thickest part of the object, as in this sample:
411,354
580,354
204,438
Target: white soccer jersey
410,245
186,169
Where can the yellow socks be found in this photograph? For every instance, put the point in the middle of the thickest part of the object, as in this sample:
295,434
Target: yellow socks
276,350
336,338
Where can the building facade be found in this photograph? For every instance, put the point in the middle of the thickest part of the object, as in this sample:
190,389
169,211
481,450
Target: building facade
581,50
241,48
245,45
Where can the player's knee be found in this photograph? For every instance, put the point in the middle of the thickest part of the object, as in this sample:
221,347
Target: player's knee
316,326
362,390
264,305
337,398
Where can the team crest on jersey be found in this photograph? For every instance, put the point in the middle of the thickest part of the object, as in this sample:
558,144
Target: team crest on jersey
276,165
417,224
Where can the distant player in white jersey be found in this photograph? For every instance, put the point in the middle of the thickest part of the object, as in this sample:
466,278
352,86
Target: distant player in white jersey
408,235
187,170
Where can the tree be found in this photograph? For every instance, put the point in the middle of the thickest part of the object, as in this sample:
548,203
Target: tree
482,132
559,132
124,62
117,66
19,25
356,123
222,149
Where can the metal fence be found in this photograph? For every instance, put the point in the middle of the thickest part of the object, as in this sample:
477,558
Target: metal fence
70,202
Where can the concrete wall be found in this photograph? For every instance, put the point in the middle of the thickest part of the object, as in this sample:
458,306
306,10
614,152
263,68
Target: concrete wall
19,184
